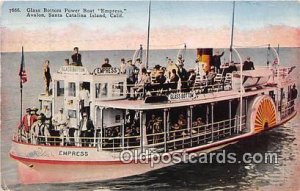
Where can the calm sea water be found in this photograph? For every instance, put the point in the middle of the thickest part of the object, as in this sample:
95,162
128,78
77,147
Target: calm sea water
284,140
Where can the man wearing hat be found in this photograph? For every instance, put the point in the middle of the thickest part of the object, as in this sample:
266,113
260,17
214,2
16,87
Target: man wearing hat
248,64
46,111
139,64
25,125
47,76
76,57
60,122
122,66
183,75
216,61
106,63
34,115
180,60
39,131
294,95
86,128
131,75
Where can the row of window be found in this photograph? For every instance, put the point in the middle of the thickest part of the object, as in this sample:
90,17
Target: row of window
102,90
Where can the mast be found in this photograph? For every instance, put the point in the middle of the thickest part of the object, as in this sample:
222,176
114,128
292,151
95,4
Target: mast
148,36
268,55
232,27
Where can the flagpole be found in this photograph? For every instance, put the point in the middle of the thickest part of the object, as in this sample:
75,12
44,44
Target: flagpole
148,35
232,28
21,86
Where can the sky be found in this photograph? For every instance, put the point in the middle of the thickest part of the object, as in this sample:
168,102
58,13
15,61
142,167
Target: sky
199,24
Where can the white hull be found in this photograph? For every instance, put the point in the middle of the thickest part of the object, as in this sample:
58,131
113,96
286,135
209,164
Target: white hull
38,171
44,164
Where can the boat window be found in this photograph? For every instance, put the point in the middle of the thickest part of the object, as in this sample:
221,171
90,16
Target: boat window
72,89
85,85
60,88
72,113
118,118
118,89
101,90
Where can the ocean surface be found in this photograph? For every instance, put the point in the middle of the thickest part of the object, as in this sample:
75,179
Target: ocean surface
284,140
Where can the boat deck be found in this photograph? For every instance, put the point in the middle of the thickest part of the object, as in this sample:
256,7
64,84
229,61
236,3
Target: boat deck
200,99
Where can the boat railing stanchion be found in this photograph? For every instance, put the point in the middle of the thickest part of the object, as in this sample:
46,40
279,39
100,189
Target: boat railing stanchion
230,116
212,122
190,123
165,129
95,131
122,133
141,131
101,129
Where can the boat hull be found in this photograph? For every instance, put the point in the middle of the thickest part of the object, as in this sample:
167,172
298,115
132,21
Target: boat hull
46,164
34,171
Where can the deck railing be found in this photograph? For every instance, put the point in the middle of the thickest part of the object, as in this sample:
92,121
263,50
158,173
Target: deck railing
287,109
175,138
203,85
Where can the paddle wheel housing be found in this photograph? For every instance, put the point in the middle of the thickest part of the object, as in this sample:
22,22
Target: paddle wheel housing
261,114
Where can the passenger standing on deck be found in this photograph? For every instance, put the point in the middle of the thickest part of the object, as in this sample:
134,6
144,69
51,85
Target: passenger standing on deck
122,66
39,131
216,61
34,114
183,75
174,78
76,57
139,64
86,128
144,80
84,97
24,127
248,64
46,111
294,95
180,60
35,129
60,122
130,73
47,76
106,63
192,78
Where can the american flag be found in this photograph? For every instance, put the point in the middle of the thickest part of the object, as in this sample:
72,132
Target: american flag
22,73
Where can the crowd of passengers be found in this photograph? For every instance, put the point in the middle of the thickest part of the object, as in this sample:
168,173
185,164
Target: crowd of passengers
171,77
154,130
43,128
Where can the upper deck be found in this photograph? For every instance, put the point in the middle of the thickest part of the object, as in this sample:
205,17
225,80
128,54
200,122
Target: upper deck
108,88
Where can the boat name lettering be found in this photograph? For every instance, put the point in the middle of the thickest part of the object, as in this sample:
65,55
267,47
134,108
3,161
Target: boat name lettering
108,70
74,153
71,69
179,96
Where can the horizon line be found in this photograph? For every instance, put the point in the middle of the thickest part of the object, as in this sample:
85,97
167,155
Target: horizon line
71,50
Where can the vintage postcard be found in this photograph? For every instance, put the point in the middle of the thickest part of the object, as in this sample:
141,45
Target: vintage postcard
150,95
